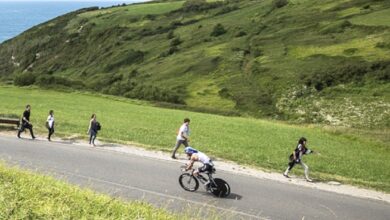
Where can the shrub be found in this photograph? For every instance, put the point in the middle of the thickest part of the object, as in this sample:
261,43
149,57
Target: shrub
224,93
150,17
199,5
50,81
171,50
280,3
175,42
218,30
170,35
383,45
24,79
353,72
227,9
153,93
241,34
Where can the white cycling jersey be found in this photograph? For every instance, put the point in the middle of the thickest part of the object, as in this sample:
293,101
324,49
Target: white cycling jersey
203,158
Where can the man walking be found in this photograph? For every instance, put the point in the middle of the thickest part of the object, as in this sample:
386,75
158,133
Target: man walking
182,136
26,122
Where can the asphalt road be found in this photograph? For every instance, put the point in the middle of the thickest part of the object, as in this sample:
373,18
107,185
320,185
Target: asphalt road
156,181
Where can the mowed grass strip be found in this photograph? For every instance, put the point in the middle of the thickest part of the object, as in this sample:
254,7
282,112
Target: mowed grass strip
254,142
24,195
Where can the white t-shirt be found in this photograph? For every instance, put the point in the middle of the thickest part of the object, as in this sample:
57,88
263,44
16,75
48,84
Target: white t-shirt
50,120
183,129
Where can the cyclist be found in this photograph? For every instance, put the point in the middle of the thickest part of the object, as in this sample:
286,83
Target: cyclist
194,156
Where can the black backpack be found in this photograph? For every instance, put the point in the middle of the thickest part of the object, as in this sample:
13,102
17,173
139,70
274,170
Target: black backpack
98,126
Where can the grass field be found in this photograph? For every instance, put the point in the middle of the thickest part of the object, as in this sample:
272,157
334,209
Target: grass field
356,158
24,195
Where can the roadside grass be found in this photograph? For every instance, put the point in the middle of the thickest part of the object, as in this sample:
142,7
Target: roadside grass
344,156
24,195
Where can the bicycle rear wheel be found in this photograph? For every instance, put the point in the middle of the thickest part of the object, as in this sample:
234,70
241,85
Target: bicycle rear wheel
188,182
221,189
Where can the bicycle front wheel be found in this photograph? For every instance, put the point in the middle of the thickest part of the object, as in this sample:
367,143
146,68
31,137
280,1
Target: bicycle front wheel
188,182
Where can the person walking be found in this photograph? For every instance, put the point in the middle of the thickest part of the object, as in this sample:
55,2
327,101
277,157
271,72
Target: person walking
50,124
296,158
182,136
93,129
26,122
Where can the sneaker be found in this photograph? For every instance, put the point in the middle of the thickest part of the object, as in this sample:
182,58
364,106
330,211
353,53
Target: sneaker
286,175
173,157
309,180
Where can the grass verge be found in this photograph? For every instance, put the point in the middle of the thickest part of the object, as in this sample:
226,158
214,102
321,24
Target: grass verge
345,156
28,196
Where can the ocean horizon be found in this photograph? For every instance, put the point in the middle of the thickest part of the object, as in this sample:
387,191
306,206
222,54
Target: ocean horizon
19,16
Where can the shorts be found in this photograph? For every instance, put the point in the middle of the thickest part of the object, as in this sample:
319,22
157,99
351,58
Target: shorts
205,167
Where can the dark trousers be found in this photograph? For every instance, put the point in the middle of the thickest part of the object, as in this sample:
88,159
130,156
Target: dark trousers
51,131
92,136
23,127
177,145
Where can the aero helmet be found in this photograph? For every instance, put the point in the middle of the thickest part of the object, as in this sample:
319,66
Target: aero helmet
190,150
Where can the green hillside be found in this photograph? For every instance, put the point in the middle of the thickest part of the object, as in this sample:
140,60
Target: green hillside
312,61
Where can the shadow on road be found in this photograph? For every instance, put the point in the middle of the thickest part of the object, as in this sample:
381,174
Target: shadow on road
234,196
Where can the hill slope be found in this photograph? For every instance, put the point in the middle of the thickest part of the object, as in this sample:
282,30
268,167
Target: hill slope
306,61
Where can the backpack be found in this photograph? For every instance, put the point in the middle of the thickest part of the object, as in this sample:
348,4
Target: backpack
98,126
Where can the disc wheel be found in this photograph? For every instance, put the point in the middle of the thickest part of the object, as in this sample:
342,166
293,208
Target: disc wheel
221,189
188,182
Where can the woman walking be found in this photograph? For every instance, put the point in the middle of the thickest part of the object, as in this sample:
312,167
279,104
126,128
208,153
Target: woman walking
50,124
93,129
296,158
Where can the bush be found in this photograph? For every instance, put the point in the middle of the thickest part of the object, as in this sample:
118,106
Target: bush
199,5
280,3
170,35
24,79
227,9
49,81
153,93
172,50
353,72
175,42
150,17
218,30
241,34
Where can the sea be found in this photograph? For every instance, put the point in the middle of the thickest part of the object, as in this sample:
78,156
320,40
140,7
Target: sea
18,16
